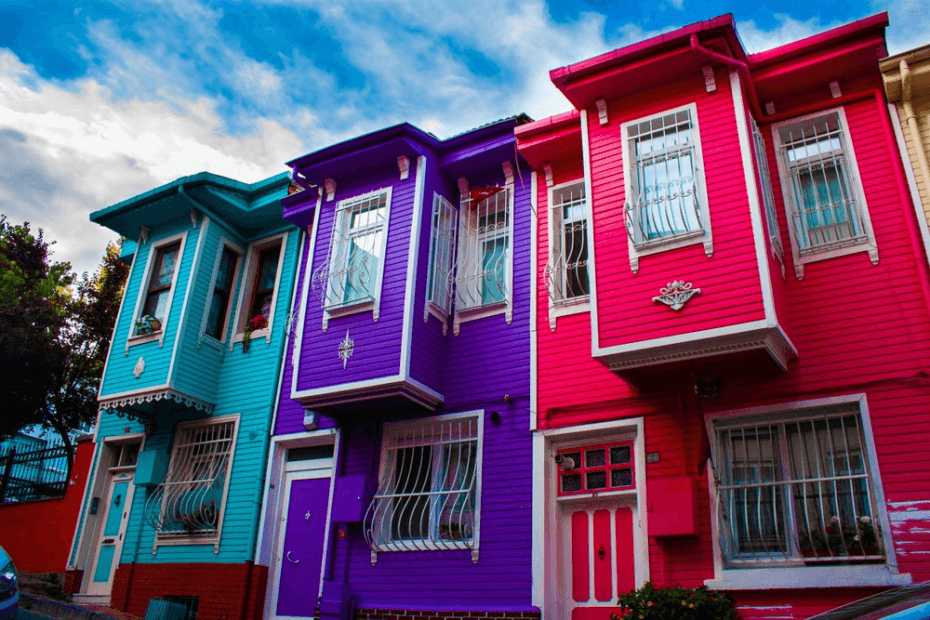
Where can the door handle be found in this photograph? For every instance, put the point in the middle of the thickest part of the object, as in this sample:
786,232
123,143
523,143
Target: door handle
108,541
288,556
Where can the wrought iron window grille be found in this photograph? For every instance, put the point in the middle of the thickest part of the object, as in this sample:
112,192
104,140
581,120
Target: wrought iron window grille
483,269
824,209
352,274
188,505
442,260
768,197
567,270
427,495
796,490
664,204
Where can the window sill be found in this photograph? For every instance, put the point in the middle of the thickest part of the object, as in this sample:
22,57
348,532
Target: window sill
793,577
480,312
665,244
355,307
422,545
258,333
813,256
577,305
143,338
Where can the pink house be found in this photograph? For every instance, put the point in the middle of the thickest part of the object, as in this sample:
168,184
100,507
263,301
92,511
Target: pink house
732,320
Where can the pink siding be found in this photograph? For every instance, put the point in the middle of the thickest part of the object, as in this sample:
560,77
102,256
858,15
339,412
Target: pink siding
732,292
859,329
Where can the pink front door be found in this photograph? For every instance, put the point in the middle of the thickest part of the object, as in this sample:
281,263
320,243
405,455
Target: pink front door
600,563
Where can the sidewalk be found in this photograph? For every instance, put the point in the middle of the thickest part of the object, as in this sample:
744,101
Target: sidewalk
61,610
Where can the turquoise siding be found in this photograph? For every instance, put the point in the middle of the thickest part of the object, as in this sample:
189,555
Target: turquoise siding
119,375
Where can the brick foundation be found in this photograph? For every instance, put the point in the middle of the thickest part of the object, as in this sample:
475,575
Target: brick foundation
225,591
73,580
401,614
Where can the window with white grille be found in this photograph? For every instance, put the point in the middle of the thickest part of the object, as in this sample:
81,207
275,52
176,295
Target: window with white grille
796,489
189,503
664,185
567,270
441,257
484,269
429,486
823,196
356,259
768,198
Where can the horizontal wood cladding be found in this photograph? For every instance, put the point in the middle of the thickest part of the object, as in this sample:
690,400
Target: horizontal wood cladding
921,107
794,604
230,591
731,289
377,343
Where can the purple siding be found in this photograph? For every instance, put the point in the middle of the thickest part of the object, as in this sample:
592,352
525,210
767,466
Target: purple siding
377,343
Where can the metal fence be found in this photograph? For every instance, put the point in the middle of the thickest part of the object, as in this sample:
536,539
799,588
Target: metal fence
33,474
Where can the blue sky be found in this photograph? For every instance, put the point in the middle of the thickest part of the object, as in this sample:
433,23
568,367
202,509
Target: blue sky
100,101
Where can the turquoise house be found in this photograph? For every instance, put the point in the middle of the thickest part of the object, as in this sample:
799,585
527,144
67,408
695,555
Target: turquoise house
187,398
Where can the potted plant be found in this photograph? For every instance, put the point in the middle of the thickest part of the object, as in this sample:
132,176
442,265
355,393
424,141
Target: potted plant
256,323
860,538
202,518
147,324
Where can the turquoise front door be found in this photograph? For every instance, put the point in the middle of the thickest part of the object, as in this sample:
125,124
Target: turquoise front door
112,530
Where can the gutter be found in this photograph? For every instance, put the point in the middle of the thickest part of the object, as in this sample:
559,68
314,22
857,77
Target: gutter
911,117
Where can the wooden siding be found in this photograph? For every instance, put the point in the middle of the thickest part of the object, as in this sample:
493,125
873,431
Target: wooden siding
377,343
428,352
119,377
858,327
922,113
731,289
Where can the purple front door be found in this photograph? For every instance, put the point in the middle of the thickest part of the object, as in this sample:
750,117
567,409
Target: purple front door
302,553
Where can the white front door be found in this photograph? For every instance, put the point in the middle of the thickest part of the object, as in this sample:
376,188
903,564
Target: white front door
598,558
111,533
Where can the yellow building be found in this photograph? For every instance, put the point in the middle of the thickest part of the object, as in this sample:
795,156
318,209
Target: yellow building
907,86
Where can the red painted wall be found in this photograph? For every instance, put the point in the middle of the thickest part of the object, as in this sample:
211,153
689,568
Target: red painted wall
38,534
225,591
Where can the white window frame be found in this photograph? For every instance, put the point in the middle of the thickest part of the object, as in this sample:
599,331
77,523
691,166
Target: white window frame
768,196
247,282
341,235
133,338
380,513
840,248
230,303
442,258
787,574
156,503
638,246
560,304
469,242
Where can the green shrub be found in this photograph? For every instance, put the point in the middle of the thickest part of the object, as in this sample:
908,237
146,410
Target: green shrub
651,603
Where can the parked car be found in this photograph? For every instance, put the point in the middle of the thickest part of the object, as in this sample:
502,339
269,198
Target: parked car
904,603
9,592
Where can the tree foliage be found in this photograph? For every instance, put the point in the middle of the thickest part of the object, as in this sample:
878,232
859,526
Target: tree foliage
55,330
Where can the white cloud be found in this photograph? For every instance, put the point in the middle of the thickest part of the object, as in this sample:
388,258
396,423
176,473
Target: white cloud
70,152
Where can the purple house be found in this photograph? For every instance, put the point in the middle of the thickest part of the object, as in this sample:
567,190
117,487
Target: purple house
399,477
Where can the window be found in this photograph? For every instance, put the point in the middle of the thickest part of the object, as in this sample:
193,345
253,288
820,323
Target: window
796,489
429,486
484,266
826,211
768,198
441,258
567,271
357,251
260,284
663,162
158,291
189,503
223,281
595,469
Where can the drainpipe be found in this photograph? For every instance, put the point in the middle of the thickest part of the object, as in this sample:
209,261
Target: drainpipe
906,96
733,63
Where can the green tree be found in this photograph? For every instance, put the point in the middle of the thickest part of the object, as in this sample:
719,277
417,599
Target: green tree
55,331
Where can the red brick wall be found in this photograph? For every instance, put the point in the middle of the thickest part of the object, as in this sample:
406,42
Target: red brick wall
225,591
401,614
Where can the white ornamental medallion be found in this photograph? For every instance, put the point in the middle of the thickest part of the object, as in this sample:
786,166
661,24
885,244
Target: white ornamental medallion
346,349
676,294
139,369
